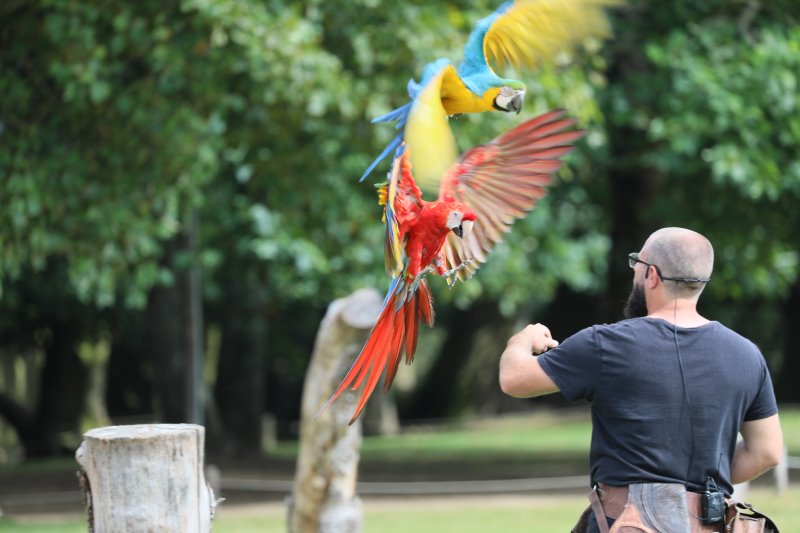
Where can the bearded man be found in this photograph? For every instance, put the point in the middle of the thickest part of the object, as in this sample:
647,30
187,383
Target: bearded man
670,393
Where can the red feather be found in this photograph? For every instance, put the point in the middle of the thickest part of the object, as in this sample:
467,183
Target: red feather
395,332
492,185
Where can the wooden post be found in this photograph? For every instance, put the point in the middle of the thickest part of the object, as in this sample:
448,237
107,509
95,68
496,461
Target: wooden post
146,478
324,496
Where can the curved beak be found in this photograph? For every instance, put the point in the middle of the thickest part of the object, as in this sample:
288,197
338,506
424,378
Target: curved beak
515,104
464,229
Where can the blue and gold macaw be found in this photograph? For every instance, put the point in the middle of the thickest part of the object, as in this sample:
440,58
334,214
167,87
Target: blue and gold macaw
521,33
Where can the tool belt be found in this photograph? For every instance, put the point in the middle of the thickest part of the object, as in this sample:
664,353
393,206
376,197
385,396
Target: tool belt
665,508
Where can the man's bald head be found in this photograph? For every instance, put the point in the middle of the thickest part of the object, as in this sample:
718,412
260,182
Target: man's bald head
681,253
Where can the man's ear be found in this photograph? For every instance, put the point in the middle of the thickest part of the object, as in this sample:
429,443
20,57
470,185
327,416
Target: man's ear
651,281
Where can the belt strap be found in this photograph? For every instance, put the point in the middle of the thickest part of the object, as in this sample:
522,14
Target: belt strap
599,513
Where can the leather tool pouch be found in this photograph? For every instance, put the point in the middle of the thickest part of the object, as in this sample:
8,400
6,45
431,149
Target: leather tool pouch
742,518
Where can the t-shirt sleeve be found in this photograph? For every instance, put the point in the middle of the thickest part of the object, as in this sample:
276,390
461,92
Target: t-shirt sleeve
764,404
574,365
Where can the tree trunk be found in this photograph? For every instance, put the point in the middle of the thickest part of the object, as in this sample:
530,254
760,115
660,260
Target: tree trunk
95,356
323,498
130,385
239,389
146,478
787,386
61,392
634,186
173,338
167,352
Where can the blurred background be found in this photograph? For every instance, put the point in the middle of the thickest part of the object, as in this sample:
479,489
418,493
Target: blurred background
179,201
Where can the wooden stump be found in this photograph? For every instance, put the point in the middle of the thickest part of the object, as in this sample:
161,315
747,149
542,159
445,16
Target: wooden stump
146,478
324,496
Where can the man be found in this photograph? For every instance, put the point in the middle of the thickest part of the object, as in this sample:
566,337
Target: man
670,390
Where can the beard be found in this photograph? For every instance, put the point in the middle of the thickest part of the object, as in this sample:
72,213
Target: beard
636,306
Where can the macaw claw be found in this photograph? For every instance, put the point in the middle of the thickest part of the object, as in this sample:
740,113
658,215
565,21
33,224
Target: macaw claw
422,273
450,274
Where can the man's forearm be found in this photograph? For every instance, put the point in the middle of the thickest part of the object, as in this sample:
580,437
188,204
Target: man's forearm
520,373
749,464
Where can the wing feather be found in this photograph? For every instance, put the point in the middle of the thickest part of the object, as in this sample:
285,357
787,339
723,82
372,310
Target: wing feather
529,32
403,204
502,181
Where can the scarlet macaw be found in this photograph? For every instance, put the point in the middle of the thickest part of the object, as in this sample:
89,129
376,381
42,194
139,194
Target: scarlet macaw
521,33
480,197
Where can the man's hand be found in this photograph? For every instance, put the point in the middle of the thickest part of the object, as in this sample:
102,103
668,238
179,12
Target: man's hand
520,373
534,338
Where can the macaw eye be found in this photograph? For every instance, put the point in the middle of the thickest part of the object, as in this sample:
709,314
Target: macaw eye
506,91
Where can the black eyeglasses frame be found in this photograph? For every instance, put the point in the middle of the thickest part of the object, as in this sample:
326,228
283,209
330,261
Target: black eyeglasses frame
633,258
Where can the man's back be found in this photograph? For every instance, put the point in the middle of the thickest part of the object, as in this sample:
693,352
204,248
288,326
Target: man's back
659,406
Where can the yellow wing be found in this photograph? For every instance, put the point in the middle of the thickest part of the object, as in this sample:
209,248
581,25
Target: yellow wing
532,31
431,145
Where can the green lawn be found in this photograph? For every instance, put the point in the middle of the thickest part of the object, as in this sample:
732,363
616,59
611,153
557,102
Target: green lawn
525,435
444,515
530,437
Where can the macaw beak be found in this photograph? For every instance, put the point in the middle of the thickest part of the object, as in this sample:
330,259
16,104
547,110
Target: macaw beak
515,104
464,229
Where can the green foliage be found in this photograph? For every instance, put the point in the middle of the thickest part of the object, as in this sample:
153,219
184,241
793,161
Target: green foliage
118,120
728,128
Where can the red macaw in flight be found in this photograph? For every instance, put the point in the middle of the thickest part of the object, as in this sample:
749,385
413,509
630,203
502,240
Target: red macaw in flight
480,197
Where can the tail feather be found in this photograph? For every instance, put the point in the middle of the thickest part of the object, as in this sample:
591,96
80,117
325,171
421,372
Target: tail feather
396,348
426,303
395,332
407,323
378,343
412,330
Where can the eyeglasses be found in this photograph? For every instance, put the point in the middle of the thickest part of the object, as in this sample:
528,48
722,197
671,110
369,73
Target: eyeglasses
633,258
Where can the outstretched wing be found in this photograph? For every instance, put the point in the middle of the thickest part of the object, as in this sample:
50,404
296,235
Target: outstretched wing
403,201
502,181
525,33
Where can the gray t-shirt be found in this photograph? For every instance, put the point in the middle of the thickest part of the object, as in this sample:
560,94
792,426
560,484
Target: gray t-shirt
645,426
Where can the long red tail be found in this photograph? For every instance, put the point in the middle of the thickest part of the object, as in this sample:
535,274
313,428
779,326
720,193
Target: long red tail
395,331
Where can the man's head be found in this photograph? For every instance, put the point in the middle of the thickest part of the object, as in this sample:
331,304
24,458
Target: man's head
670,253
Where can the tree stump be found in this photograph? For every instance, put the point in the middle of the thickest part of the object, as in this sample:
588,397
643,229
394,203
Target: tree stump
146,478
324,496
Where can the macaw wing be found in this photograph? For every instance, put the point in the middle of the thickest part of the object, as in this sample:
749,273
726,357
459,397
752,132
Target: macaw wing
427,132
502,181
526,32
403,201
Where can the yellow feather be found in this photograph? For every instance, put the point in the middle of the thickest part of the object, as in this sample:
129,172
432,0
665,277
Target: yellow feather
535,31
431,145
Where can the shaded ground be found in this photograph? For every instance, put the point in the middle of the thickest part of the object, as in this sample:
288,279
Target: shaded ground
53,487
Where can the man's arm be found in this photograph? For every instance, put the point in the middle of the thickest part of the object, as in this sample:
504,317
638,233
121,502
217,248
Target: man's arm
760,449
521,376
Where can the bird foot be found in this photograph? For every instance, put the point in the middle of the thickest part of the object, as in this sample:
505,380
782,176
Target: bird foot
451,281
421,274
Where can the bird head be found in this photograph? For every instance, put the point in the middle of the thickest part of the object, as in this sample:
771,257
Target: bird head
460,220
509,99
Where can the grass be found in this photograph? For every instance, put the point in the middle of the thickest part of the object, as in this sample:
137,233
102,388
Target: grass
443,515
529,436
526,435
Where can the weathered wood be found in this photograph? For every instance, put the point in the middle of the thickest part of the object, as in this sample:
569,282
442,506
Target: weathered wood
324,496
146,478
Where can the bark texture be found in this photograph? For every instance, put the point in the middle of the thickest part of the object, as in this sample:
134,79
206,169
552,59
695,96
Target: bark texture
146,478
324,497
